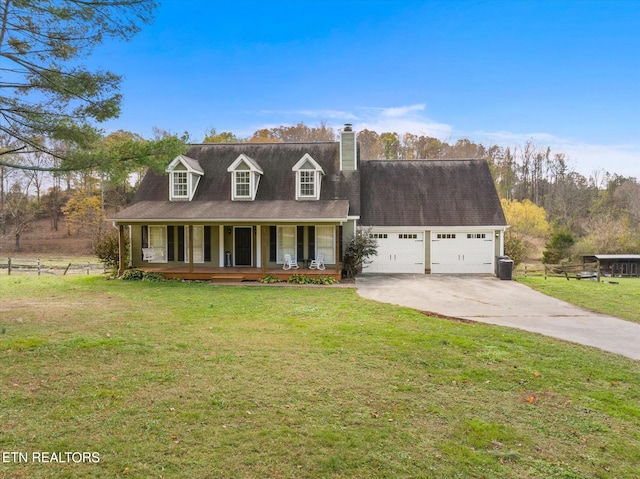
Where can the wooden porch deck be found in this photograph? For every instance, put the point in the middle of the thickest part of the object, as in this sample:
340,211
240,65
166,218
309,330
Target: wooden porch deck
236,274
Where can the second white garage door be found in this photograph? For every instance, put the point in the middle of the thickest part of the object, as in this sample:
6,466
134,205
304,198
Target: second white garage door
460,252
398,253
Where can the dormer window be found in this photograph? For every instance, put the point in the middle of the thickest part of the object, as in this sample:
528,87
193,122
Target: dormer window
245,177
184,176
308,178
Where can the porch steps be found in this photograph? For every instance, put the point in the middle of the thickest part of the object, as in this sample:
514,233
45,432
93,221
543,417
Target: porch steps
227,278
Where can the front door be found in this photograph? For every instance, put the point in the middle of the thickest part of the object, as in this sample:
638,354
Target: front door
242,246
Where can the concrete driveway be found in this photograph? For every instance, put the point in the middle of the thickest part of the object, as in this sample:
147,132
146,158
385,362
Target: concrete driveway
507,303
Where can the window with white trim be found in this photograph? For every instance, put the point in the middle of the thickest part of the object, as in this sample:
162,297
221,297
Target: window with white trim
326,243
307,183
243,184
158,242
198,244
286,242
308,178
245,177
184,176
180,184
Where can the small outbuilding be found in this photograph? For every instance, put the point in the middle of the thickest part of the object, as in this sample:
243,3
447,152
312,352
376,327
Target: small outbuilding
615,265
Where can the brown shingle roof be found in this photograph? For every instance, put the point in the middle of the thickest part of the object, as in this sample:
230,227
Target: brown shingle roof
277,183
429,193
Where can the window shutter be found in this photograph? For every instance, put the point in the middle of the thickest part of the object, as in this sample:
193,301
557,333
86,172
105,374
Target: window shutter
180,243
273,244
311,245
170,243
145,239
300,242
207,243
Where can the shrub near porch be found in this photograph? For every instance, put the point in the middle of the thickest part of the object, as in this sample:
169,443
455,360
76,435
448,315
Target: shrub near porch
196,380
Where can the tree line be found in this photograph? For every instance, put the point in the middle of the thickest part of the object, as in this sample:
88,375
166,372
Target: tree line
542,195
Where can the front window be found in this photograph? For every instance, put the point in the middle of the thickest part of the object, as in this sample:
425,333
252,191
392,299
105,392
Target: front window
180,184
307,183
243,184
198,244
158,242
325,242
286,242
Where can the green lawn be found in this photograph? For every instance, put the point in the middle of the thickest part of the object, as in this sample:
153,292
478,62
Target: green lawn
181,380
615,296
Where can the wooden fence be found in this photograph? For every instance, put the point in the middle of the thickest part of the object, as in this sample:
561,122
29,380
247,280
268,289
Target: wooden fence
564,270
35,265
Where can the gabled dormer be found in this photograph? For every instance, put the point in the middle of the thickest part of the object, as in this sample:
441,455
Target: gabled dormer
184,176
245,177
308,178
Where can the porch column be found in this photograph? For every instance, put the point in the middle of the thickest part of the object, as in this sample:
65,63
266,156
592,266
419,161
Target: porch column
121,246
190,248
337,246
258,246
221,246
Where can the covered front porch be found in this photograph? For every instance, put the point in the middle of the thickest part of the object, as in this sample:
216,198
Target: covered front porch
231,252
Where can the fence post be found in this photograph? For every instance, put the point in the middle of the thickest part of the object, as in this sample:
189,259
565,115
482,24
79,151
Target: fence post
9,266
66,269
88,267
38,266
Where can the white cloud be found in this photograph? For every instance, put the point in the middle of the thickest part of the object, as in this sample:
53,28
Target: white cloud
402,119
401,111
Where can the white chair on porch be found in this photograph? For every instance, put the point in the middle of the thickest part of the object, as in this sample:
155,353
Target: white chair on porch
289,262
317,263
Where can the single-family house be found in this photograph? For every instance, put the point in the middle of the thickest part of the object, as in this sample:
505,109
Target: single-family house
238,210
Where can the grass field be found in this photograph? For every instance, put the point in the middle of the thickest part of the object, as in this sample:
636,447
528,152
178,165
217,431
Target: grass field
179,380
618,297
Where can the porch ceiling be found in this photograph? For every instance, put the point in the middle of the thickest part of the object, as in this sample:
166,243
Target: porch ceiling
213,211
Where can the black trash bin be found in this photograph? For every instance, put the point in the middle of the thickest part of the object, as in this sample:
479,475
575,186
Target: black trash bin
505,270
498,258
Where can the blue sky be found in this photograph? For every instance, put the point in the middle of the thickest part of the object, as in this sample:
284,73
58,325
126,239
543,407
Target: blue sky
560,73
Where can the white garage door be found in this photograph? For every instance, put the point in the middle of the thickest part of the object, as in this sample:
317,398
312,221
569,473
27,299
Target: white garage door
398,253
461,252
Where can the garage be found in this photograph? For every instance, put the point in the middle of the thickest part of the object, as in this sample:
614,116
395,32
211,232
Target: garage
462,252
398,252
